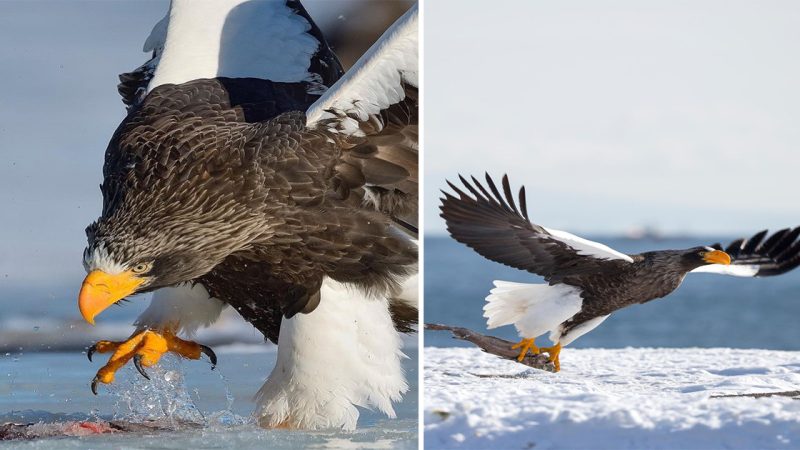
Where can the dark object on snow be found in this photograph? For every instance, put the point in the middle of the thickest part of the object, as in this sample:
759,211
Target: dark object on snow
60,429
793,394
495,346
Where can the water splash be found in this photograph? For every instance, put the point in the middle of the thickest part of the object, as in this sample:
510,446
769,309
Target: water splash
163,398
226,417
166,398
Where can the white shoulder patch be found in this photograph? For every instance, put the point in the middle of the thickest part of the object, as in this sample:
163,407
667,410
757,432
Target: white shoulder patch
588,248
375,81
232,38
733,269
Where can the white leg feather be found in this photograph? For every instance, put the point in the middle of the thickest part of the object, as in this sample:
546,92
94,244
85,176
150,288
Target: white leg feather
344,354
564,339
181,309
409,292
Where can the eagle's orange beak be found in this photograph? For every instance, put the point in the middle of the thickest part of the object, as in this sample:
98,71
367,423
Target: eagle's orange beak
717,257
101,290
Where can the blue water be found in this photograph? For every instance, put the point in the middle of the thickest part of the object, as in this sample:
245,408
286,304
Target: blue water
53,388
706,311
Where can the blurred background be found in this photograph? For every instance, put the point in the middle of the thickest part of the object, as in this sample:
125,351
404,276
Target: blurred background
644,125
58,108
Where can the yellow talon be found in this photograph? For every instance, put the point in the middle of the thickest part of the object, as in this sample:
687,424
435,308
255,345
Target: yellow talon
553,353
526,345
146,348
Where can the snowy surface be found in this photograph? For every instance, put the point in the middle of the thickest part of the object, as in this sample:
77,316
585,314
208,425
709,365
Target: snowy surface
612,398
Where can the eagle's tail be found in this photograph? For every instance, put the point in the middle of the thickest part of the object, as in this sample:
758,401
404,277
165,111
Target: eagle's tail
346,353
508,302
532,308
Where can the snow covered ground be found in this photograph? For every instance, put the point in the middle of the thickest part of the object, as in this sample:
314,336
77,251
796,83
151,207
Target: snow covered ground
613,399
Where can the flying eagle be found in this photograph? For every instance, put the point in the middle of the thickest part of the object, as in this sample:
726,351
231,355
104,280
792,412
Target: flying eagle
252,172
586,281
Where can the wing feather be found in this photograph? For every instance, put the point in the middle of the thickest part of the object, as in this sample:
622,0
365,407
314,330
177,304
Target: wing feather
372,112
491,223
197,39
757,257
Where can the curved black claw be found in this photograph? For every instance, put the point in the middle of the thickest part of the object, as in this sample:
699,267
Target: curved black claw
211,355
94,385
91,351
137,361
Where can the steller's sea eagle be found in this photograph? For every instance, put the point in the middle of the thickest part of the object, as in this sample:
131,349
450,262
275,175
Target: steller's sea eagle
251,171
587,281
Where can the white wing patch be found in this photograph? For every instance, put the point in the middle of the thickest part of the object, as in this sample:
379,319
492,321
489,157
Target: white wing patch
232,38
375,82
588,248
744,270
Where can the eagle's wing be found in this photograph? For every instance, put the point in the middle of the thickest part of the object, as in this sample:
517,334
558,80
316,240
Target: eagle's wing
373,112
271,40
491,223
133,85
759,257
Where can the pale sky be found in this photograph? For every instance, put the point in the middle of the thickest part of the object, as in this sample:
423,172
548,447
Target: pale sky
684,115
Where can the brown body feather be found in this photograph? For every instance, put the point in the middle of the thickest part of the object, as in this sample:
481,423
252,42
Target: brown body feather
222,183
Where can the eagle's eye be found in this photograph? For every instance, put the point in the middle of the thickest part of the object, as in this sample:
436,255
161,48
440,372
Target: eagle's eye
142,267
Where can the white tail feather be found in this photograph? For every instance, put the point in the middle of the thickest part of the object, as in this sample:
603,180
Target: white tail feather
507,302
344,354
532,308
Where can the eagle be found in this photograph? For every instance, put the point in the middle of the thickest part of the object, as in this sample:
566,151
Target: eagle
586,281
252,172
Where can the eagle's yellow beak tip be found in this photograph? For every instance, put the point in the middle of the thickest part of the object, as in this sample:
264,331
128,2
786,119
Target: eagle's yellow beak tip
89,319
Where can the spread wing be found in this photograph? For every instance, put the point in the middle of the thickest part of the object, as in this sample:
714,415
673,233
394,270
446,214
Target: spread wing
760,257
373,113
270,40
491,224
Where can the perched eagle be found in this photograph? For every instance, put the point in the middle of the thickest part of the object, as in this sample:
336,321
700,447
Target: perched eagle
586,281
251,171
